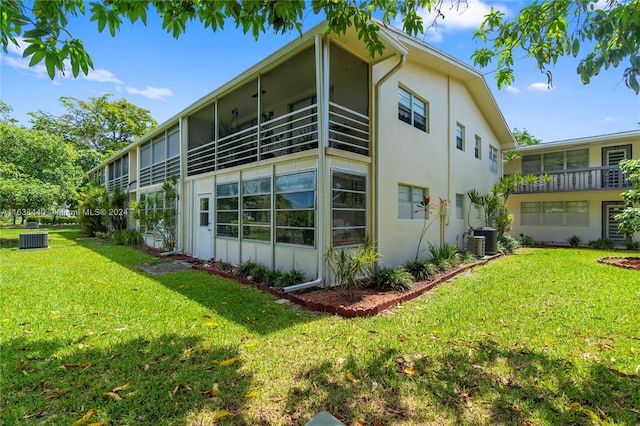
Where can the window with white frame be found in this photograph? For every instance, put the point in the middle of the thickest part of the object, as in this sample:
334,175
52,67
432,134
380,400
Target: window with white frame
256,209
460,136
459,206
295,208
412,110
493,159
408,199
348,208
227,219
477,146
555,213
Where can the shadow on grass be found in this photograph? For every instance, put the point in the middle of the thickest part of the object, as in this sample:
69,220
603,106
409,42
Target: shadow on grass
242,304
159,381
489,384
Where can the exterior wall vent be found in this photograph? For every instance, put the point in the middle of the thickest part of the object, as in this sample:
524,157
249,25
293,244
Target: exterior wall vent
34,240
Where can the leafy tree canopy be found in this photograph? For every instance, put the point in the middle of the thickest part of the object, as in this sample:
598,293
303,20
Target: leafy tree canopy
523,137
629,218
37,170
607,31
98,124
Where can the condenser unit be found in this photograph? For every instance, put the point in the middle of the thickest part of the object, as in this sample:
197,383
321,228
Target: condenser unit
476,245
34,240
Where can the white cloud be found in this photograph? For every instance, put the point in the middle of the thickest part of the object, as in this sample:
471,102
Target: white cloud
463,18
609,119
512,89
539,87
101,75
151,92
38,70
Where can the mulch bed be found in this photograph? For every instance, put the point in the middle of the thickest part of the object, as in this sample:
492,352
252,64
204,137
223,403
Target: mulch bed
363,302
622,262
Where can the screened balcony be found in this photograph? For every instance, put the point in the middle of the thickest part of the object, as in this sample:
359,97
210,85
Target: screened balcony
583,179
277,114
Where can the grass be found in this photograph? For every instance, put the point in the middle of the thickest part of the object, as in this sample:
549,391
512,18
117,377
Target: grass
545,336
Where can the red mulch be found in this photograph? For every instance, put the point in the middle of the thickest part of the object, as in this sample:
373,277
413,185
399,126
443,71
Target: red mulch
622,262
363,302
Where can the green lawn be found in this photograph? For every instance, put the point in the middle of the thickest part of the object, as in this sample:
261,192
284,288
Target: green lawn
545,336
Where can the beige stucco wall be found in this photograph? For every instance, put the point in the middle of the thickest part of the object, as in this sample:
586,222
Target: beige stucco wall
560,234
412,157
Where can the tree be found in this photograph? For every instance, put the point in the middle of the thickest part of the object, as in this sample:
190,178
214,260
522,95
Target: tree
5,114
629,219
548,30
99,124
37,170
523,137
545,30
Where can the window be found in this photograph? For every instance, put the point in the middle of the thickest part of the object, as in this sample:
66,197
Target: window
460,136
256,209
204,212
408,198
173,142
227,209
459,206
477,145
295,208
555,213
412,110
554,161
158,150
348,208
493,159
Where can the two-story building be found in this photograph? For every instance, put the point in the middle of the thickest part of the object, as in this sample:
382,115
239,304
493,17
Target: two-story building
320,145
576,190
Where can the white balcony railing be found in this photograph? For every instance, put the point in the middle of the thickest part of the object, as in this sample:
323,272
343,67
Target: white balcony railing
586,179
283,135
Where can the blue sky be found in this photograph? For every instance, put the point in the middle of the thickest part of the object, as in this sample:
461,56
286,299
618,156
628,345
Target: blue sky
154,71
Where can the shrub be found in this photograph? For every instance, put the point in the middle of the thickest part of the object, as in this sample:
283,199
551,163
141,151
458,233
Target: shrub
507,244
225,266
574,241
290,278
421,270
259,272
446,251
271,277
527,240
350,264
390,278
442,265
632,245
467,257
131,237
48,220
106,235
244,270
602,244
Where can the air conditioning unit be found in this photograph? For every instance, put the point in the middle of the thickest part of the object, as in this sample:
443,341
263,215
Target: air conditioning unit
33,240
476,245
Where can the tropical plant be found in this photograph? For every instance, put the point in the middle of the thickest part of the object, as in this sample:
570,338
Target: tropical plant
507,244
430,211
421,270
390,278
170,214
527,240
602,244
574,241
246,269
290,278
92,208
444,251
349,265
629,219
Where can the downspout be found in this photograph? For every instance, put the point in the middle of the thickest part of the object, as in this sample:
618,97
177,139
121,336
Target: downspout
322,55
374,138
449,148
